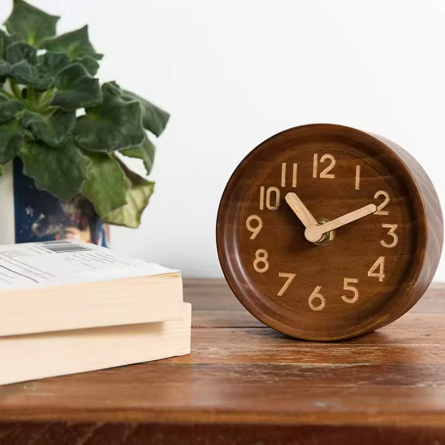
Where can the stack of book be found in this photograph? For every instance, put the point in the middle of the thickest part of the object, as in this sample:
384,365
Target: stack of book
69,307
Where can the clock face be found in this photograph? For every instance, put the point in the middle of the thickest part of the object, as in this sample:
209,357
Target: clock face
316,283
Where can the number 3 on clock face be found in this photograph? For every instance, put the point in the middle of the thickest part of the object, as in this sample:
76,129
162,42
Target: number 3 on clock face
321,227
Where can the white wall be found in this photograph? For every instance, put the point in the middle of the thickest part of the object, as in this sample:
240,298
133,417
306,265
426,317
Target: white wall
234,72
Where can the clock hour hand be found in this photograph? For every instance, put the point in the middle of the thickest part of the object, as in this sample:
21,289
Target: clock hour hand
314,232
304,215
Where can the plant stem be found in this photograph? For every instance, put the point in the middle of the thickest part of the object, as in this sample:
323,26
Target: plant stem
46,98
15,89
31,97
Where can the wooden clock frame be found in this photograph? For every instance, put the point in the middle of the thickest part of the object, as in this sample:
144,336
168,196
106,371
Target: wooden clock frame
429,227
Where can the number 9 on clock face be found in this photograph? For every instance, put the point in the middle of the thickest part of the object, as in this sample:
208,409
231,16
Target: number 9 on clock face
326,232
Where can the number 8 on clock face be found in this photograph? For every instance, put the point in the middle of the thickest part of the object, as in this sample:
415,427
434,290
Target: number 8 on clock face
325,232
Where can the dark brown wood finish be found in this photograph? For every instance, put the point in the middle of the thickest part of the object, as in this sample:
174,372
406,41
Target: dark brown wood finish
371,273
246,384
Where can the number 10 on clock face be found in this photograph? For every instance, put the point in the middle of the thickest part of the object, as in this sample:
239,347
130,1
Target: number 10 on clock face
324,233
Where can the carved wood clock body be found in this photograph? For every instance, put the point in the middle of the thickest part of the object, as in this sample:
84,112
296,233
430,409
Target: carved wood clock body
325,232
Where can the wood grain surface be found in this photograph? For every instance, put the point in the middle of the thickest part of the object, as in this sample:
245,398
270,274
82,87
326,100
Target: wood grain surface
247,384
326,232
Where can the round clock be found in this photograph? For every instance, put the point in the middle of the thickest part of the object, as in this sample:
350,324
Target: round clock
326,232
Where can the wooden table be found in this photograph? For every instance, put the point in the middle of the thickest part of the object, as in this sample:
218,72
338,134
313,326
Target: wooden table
245,384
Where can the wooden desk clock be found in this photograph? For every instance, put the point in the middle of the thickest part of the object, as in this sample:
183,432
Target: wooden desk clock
326,232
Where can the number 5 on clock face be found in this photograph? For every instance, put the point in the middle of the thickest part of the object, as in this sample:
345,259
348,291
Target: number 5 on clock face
347,285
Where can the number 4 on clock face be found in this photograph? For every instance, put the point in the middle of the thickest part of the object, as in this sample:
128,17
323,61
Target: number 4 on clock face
378,269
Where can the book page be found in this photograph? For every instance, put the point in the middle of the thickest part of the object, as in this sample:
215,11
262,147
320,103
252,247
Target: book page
66,262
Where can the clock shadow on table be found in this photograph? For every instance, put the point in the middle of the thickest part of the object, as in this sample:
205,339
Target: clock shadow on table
386,346
375,337
382,336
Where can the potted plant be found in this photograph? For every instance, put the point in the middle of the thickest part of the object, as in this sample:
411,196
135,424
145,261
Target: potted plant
67,135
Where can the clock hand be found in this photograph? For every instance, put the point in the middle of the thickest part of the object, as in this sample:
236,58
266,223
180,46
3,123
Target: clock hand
313,233
304,215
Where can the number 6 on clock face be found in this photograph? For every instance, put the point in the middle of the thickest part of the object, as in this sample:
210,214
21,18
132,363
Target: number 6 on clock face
316,301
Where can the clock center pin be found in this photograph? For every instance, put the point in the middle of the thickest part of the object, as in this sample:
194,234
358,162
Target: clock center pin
326,238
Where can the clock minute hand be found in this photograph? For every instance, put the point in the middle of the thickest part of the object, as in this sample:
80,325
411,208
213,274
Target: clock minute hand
314,233
304,215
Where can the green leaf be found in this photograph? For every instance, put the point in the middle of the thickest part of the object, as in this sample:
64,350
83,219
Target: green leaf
14,38
75,43
51,64
76,89
138,197
11,140
3,43
113,88
90,64
42,75
2,170
5,70
26,73
153,118
19,51
107,185
9,109
60,172
32,23
54,130
112,125
146,152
